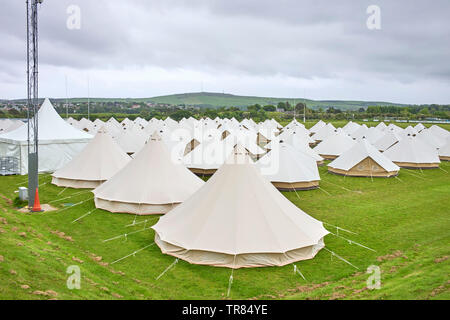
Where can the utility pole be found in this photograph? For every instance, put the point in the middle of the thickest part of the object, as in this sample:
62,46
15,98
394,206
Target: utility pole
89,99
304,112
32,98
67,102
304,106
294,108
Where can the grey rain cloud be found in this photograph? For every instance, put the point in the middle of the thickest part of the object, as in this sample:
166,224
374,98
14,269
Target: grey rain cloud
318,49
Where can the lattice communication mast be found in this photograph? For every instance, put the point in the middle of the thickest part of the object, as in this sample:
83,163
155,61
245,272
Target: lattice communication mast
32,90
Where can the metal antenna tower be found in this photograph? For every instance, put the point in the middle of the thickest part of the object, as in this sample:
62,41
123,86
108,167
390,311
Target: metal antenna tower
32,103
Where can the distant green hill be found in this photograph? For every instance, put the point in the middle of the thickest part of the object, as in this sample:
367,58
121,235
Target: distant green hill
213,100
229,100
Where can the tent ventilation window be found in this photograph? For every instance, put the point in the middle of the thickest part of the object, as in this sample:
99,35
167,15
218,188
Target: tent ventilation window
9,166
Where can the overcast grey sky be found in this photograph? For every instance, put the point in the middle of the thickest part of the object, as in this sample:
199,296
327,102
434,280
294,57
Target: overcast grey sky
279,48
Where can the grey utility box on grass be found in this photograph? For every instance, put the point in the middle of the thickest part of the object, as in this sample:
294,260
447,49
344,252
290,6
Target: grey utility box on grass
23,193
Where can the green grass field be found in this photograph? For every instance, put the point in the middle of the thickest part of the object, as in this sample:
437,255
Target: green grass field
406,220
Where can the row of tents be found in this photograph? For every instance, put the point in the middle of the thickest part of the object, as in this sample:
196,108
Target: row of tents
237,218
203,145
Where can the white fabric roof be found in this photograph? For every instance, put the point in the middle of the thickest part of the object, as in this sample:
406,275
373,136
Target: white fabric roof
381,126
324,132
152,177
208,155
419,127
412,150
351,127
8,125
361,132
387,140
132,140
52,128
238,211
335,145
360,151
431,138
317,126
289,165
445,149
98,161
440,132
394,128
374,134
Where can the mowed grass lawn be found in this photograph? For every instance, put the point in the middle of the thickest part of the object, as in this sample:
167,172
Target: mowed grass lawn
406,220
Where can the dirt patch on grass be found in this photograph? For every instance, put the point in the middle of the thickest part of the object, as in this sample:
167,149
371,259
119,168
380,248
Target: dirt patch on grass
440,289
337,295
358,291
392,256
299,289
48,293
442,259
117,272
77,260
7,200
62,235
45,207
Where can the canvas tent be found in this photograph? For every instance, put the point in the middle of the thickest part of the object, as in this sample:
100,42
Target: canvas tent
363,160
374,134
101,159
439,132
4,125
386,141
431,138
320,124
381,126
7,125
444,151
333,146
289,169
59,142
151,183
132,139
360,133
324,132
351,127
206,158
239,219
419,127
413,153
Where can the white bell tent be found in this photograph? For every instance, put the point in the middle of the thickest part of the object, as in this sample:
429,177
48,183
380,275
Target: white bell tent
151,183
239,219
101,159
59,142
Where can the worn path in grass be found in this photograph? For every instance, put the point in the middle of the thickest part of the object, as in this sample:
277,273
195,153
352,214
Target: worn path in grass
406,220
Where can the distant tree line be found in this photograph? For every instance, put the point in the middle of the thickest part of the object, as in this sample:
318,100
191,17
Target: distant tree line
281,112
